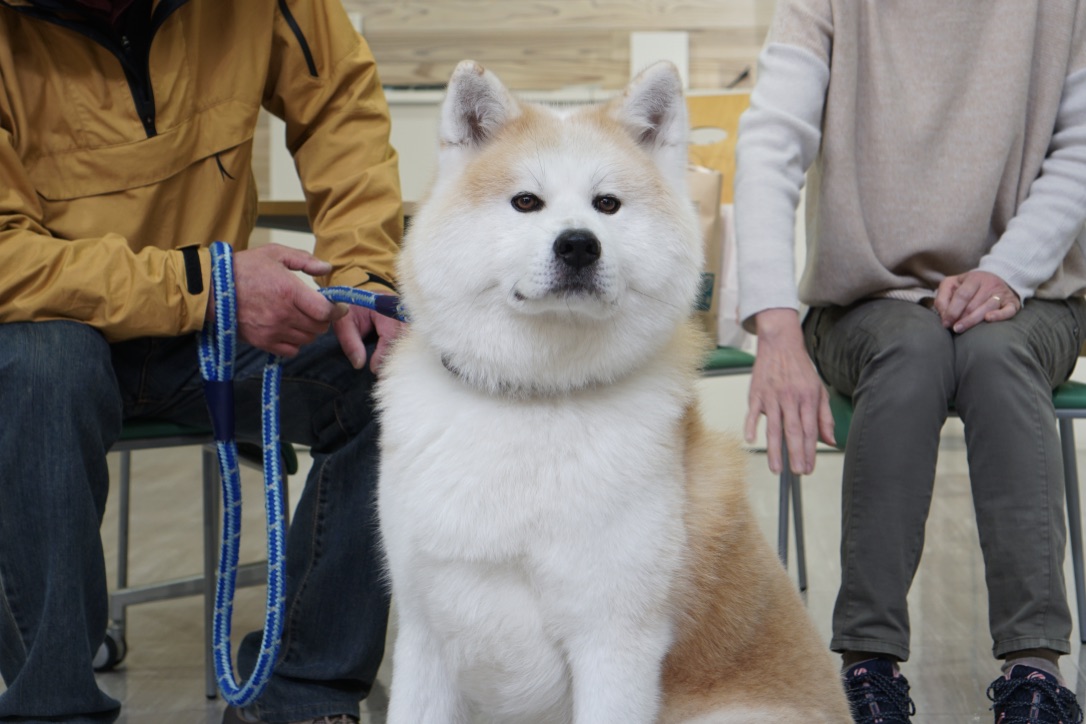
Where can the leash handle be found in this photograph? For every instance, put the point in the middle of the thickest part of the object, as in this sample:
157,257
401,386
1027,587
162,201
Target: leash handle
387,304
217,350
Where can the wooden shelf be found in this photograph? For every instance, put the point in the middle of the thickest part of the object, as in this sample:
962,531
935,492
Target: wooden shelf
290,215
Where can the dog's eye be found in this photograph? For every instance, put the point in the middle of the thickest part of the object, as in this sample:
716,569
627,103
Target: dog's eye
606,204
526,203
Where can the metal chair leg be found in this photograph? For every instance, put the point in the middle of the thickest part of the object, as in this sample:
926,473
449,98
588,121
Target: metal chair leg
123,508
789,486
797,519
782,512
113,647
211,563
1074,517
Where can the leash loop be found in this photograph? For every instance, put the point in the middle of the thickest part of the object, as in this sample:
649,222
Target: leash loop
217,349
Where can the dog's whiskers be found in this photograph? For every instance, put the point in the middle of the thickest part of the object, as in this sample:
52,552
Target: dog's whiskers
483,291
655,299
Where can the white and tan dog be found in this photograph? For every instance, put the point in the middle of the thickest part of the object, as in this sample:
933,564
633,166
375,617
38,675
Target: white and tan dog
566,542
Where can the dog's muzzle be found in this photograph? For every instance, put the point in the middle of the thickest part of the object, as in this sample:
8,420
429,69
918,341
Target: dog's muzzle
577,248
575,270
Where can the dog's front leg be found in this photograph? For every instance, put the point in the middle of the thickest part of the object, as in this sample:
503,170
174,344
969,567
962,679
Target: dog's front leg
616,672
422,690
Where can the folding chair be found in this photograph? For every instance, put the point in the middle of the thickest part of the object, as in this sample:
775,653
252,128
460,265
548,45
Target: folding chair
731,361
155,434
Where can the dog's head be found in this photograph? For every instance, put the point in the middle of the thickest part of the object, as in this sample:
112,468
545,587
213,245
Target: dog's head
558,248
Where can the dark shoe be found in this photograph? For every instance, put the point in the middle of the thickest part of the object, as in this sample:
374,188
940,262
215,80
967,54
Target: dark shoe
233,715
1026,695
877,694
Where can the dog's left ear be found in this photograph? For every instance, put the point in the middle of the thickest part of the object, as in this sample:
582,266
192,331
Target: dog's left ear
653,110
476,106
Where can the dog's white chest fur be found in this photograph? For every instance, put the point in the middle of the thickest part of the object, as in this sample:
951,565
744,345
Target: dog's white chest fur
514,470
529,528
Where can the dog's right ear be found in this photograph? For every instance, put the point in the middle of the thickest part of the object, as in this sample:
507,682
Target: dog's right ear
476,106
653,111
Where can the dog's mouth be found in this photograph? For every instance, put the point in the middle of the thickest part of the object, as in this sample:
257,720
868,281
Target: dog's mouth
563,289
563,292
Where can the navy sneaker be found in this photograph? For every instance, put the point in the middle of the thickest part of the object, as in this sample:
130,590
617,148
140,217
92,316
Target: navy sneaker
233,715
877,693
1025,695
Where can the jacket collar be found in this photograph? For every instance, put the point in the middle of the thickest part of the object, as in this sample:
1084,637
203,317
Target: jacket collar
108,9
77,9
84,20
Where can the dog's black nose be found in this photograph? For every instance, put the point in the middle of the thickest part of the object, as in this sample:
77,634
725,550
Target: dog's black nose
577,247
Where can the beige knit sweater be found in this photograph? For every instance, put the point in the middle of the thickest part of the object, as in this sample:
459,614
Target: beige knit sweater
941,136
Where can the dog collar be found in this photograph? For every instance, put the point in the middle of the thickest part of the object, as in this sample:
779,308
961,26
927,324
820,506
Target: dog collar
511,390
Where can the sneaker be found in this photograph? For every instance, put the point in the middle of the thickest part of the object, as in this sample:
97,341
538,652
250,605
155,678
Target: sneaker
877,693
233,715
1025,695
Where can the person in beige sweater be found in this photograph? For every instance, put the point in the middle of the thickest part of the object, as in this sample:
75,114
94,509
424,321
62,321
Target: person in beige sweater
943,147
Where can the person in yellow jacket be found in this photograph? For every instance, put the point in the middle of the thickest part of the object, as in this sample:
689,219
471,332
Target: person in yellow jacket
126,137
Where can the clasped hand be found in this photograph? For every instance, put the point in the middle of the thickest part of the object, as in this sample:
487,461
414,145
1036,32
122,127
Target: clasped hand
279,313
965,300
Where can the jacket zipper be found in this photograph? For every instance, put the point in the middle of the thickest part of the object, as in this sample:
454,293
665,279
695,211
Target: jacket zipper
297,30
143,94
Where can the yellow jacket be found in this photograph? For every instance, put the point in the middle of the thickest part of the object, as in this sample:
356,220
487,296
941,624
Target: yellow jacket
113,159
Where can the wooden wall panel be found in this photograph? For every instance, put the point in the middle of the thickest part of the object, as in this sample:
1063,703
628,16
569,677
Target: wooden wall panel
589,57
451,15
553,44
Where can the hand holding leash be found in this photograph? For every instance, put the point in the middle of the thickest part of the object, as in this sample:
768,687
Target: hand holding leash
353,328
276,311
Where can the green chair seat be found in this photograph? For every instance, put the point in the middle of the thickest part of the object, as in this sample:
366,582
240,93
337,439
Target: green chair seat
155,429
1070,396
841,407
150,430
727,360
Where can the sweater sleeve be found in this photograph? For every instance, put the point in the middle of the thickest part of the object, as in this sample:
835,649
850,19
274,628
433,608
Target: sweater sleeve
1051,217
779,138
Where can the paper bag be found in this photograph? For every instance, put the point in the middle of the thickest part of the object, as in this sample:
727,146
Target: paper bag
714,126
704,184
729,332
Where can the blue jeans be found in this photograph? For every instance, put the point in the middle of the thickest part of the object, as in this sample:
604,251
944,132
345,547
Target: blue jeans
65,393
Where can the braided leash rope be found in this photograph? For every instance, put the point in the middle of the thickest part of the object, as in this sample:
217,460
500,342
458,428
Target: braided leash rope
217,349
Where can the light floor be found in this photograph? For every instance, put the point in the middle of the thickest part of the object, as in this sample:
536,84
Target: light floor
162,678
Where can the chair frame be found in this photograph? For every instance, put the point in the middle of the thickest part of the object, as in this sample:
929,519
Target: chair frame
249,574
1066,419
789,493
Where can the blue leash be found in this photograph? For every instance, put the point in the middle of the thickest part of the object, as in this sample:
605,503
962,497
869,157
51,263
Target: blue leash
218,344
